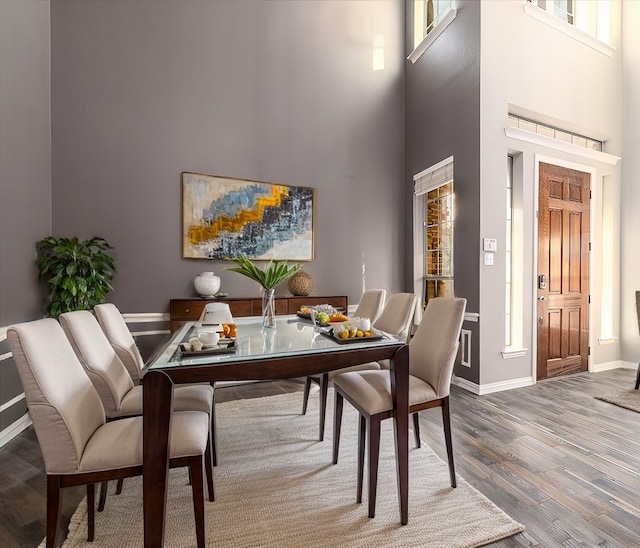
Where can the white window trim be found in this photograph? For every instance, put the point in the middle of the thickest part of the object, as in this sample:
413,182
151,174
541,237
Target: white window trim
542,140
430,38
577,34
433,177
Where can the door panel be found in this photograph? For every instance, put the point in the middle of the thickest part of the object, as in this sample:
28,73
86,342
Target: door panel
563,257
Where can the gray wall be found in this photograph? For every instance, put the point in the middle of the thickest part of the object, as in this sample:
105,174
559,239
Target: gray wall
276,91
25,171
443,97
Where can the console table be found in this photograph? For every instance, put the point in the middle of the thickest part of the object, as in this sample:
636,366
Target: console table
182,311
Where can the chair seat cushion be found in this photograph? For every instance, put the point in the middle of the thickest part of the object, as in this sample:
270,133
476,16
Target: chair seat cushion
118,444
193,397
371,390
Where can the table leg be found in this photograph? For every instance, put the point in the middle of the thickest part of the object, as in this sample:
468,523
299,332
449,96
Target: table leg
400,394
156,425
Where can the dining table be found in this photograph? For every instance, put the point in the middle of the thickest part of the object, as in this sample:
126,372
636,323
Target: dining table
293,348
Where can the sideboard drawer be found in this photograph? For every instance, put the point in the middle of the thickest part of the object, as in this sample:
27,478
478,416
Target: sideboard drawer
186,309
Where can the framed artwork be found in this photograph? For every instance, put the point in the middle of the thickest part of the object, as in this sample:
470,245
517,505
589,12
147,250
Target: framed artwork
224,217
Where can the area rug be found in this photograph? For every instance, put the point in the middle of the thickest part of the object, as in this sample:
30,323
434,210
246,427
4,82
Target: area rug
275,486
627,398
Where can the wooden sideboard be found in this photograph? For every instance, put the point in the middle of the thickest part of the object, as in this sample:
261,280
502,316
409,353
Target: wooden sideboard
188,310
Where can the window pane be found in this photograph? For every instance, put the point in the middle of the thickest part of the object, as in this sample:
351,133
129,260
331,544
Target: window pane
446,190
432,213
445,288
446,235
431,267
446,267
430,290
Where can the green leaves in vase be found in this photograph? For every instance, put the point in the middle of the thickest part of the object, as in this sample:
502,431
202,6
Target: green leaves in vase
274,273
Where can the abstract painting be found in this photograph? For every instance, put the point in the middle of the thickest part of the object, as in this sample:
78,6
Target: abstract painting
224,217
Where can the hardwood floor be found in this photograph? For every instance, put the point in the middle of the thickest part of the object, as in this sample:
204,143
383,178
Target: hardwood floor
562,463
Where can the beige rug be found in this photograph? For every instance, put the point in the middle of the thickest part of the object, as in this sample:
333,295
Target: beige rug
627,398
275,486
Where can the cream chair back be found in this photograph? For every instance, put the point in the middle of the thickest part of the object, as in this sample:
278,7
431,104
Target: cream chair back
64,406
433,348
117,331
107,373
371,304
397,315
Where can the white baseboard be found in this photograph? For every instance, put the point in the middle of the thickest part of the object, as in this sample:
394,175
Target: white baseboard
617,364
14,429
481,389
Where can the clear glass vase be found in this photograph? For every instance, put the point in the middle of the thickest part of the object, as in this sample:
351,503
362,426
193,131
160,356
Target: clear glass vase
268,308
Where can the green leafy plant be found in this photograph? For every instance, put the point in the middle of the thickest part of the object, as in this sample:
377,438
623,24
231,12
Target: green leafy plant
274,273
78,273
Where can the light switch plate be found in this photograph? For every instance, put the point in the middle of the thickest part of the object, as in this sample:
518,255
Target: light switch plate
490,244
488,259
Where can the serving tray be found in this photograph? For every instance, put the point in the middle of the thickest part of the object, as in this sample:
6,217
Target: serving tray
228,349
308,317
375,336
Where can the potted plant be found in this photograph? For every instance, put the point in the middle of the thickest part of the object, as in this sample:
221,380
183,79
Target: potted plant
273,274
78,273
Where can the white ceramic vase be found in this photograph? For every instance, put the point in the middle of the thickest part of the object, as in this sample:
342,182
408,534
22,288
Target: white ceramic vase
207,284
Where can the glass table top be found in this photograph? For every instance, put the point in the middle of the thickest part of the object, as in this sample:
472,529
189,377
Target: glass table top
292,336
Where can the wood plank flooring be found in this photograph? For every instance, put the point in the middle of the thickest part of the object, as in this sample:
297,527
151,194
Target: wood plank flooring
562,463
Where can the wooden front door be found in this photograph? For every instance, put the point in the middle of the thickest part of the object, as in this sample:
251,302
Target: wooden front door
563,271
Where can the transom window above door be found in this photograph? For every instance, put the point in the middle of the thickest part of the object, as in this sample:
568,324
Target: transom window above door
592,17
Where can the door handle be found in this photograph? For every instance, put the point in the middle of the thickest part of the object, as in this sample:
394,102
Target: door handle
542,298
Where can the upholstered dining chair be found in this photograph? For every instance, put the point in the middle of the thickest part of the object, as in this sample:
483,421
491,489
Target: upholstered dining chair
78,445
120,397
432,354
186,397
395,320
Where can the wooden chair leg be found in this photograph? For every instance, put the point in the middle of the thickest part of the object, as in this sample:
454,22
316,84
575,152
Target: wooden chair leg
214,441
305,397
362,438
104,487
91,511
307,391
54,503
638,377
119,484
446,423
324,390
208,467
374,453
337,423
416,430
195,471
